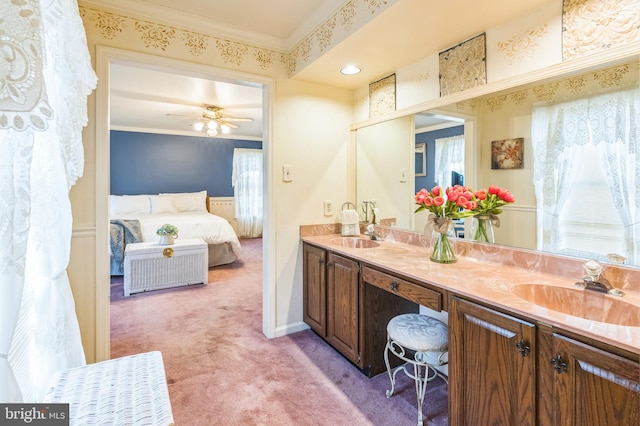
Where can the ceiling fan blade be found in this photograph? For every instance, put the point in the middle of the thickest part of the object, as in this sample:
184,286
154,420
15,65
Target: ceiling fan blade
237,119
225,123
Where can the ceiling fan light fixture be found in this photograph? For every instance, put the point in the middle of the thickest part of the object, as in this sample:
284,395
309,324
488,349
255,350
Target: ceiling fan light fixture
212,132
225,129
198,126
212,125
350,70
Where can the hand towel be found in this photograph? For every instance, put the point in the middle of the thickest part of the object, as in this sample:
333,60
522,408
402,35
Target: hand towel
350,223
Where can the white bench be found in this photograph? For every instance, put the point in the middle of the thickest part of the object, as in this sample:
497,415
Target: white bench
130,390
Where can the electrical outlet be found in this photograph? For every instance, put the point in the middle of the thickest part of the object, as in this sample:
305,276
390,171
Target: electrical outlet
328,208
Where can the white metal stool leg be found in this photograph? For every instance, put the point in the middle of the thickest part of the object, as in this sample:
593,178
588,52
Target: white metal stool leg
421,327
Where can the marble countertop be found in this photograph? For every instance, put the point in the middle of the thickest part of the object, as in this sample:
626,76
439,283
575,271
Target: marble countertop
496,284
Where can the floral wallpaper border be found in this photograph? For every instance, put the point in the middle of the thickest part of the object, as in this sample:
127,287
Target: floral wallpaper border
156,36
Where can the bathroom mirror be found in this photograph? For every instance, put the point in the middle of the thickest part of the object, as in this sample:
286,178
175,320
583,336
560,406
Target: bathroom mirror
492,116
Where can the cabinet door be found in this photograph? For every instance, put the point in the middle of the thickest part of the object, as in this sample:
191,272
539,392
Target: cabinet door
594,387
491,367
314,289
342,305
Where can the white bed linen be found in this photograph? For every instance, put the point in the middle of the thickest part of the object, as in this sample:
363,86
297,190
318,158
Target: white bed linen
211,228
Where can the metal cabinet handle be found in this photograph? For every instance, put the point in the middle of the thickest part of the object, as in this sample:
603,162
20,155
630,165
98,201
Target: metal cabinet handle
393,286
559,365
524,349
329,264
321,261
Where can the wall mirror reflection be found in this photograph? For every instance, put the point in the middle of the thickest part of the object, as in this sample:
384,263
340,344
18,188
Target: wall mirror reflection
578,190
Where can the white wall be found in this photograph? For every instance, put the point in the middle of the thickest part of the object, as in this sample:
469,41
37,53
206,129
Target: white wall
312,136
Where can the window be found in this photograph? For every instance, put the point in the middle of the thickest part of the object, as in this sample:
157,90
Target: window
586,175
247,190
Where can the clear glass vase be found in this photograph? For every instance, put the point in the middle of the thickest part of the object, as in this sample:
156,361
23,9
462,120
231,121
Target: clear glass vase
481,229
444,239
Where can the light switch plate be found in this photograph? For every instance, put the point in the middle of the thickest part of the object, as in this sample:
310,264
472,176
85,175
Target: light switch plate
403,175
287,173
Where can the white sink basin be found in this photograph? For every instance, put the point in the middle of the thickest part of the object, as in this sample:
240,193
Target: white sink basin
581,303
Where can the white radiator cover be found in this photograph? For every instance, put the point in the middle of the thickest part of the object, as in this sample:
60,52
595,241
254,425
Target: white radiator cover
150,266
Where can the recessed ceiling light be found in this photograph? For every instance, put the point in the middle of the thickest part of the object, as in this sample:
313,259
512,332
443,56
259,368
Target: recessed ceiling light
350,70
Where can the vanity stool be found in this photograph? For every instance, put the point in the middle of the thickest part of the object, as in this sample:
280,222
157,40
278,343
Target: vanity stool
419,340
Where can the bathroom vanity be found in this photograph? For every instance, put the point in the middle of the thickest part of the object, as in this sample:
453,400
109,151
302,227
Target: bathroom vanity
515,355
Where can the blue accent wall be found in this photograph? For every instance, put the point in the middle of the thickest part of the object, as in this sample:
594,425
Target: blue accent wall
429,138
145,163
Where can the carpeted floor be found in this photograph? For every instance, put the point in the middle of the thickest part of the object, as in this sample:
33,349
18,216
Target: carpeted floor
221,369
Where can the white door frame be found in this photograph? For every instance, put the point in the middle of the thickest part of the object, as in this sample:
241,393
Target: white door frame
106,56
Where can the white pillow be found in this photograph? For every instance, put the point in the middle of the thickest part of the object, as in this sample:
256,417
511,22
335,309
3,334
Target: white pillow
129,204
189,201
162,204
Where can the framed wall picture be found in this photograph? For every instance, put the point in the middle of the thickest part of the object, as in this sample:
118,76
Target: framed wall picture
507,154
421,159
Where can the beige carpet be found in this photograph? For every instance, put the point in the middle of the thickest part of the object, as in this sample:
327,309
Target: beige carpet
221,370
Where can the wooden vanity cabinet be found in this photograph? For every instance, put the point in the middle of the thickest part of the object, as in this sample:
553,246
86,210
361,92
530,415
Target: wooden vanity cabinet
492,368
350,315
342,306
330,294
315,288
506,370
588,385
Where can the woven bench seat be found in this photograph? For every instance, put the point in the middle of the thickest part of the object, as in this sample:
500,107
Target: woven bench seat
130,390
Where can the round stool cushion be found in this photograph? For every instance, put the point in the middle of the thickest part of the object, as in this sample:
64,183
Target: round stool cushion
420,333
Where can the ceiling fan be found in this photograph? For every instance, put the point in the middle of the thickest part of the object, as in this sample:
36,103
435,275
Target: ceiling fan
213,121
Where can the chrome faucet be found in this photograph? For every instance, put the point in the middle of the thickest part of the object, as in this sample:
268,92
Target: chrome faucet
593,280
371,232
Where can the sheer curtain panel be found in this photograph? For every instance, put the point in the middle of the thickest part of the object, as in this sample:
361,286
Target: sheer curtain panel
45,80
247,190
449,157
559,134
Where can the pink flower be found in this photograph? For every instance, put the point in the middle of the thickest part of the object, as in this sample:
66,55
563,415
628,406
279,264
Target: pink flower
435,190
481,195
438,201
493,189
462,201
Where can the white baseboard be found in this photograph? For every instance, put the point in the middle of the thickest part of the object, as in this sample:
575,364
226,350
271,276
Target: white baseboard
291,329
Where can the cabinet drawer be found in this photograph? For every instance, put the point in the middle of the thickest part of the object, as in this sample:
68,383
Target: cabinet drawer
416,293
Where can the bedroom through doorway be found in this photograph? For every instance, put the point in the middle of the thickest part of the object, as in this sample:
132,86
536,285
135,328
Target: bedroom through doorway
135,103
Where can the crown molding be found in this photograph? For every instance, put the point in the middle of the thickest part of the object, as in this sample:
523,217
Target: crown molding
187,21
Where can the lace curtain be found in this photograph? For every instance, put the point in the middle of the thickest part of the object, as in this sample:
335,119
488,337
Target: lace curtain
559,134
44,85
247,190
449,157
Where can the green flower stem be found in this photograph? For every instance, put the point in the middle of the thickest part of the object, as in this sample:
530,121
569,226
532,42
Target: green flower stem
481,233
442,250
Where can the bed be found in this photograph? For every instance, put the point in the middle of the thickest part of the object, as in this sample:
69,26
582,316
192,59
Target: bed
135,218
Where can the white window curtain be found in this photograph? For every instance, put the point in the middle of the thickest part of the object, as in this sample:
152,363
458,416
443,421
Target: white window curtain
449,158
44,85
247,190
559,134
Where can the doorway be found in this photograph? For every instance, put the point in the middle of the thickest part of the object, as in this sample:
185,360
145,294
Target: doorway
105,58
